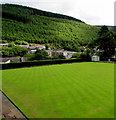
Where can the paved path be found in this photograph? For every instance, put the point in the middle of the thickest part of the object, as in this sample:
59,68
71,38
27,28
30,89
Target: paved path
9,110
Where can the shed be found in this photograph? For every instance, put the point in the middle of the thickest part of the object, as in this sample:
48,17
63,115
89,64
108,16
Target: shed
95,58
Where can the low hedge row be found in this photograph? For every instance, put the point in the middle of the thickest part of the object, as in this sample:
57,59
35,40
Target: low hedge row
40,63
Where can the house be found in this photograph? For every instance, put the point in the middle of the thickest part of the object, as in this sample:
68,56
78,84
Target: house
57,52
49,52
25,46
33,49
41,47
67,54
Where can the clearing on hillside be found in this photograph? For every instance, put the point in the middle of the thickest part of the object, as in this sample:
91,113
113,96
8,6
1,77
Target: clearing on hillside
78,90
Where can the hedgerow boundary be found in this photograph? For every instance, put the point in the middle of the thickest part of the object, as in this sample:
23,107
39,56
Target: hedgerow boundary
40,63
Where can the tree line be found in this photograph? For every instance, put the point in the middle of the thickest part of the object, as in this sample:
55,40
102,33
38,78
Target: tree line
32,11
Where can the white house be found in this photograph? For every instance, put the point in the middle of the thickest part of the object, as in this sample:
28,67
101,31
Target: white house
32,51
67,54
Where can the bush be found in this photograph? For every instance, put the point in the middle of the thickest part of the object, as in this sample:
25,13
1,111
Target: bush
46,46
24,43
40,55
61,56
3,41
85,55
77,55
10,44
18,42
29,55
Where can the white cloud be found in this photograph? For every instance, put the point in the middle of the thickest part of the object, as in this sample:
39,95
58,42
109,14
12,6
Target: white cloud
95,12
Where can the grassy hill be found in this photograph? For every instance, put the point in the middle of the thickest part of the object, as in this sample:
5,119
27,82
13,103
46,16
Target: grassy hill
37,26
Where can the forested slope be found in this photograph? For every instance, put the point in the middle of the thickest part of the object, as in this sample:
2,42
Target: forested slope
36,26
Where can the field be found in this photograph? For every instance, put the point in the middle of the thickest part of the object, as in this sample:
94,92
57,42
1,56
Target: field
78,90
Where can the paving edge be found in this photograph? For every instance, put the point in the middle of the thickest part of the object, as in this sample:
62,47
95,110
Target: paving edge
14,106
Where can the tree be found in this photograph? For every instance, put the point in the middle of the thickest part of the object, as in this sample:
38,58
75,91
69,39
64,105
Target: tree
19,51
5,51
77,55
40,55
61,56
105,42
86,54
47,47
13,51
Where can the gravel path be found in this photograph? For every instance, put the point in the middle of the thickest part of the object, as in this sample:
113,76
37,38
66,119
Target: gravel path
9,110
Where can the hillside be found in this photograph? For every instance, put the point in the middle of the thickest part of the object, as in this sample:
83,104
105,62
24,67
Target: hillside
37,26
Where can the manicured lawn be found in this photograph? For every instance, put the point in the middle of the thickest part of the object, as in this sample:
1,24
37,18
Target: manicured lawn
78,90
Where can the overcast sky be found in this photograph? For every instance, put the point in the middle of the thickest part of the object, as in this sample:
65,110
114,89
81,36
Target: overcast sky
94,12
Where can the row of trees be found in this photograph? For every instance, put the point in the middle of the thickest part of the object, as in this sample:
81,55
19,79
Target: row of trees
16,13
33,11
13,51
15,16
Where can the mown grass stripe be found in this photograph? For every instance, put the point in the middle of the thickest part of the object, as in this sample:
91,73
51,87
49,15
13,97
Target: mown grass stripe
77,90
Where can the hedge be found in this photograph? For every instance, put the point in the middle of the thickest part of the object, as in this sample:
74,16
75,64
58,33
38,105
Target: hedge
39,63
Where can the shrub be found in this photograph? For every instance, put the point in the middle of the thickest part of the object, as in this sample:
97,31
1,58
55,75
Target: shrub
40,55
24,43
10,44
77,55
85,55
18,42
61,56
3,41
46,46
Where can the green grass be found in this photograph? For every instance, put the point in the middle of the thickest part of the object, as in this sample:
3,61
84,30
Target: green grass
78,90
